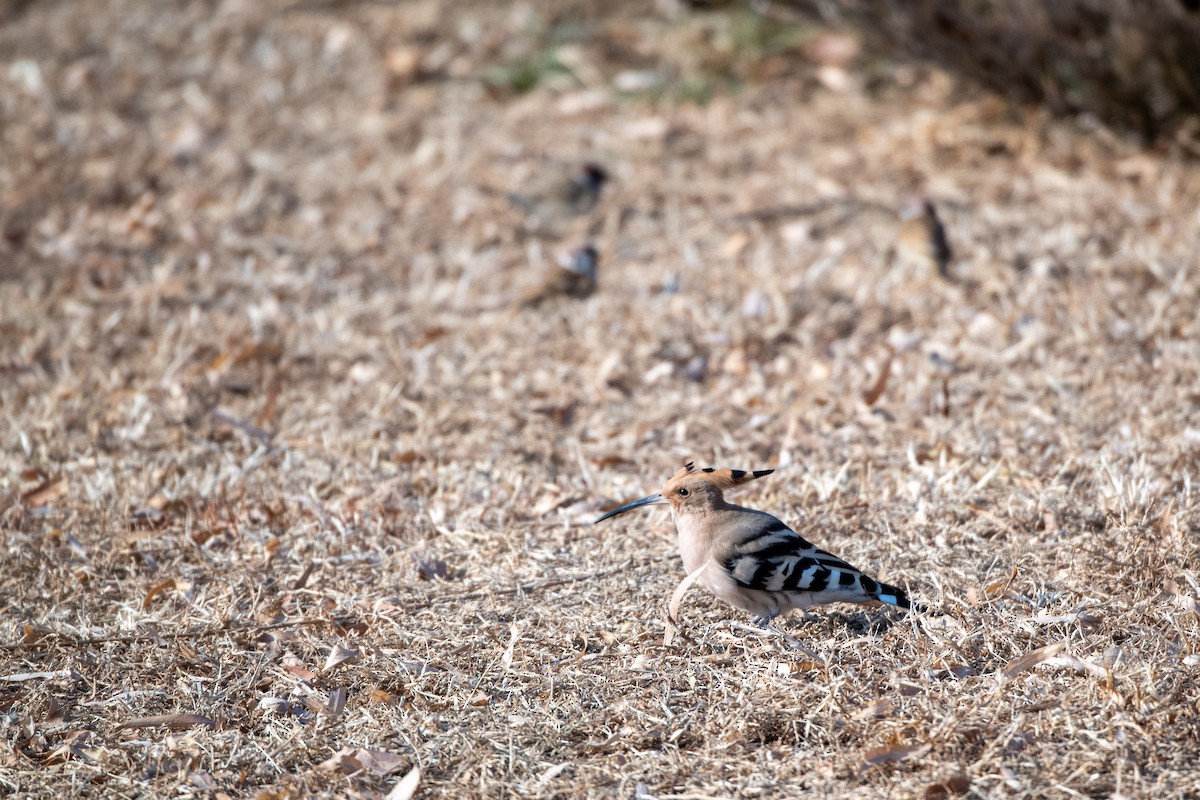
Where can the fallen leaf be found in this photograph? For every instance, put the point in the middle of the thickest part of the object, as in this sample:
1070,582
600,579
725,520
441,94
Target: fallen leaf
954,668
1021,741
341,655
999,587
1082,617
1030,660
217,364
643,663
304,674
872,395
55,710
283,707
275,642
169,767
1077,664
416,667
507,659
270,794
272,547
302,580
349,760
336,703
891,753
610,461
176,722
33,633
253,431
734,245
202,780
430,335
880,708
1164,519
430,568
76,546
563,414
47,491
146,518
76,744
156,590
407,787
259,351
17,677
950,787
553,771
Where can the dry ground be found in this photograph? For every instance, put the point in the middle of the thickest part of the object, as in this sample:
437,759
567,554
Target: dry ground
294,499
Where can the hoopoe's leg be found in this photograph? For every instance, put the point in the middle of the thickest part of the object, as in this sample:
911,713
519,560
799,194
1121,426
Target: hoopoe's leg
676,599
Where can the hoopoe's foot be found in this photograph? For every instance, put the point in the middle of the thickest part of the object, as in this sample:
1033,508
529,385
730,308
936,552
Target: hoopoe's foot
674,630
763,620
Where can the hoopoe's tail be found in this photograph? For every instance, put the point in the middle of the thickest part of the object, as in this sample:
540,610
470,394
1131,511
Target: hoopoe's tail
895,596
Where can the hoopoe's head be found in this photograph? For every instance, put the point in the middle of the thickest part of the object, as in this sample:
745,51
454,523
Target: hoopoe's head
693,490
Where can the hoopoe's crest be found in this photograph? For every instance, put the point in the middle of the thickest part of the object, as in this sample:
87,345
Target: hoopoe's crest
749,558
693,489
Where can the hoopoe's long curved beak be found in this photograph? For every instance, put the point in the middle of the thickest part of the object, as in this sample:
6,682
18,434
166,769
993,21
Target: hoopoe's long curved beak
650,500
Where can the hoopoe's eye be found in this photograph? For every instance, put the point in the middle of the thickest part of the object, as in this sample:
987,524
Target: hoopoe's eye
683,492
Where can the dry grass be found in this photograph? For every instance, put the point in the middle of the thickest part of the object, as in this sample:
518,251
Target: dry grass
279,454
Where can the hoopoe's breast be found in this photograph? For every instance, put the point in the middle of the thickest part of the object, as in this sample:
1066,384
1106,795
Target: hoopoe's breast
710,539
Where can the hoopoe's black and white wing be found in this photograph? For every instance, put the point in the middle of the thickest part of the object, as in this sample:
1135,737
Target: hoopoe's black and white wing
775,569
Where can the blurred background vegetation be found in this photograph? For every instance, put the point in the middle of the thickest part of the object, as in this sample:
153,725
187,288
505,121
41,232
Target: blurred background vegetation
1133,65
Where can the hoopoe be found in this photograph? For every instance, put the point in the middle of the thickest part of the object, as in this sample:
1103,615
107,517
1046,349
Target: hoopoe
574,278
923,237
749,558
557,196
